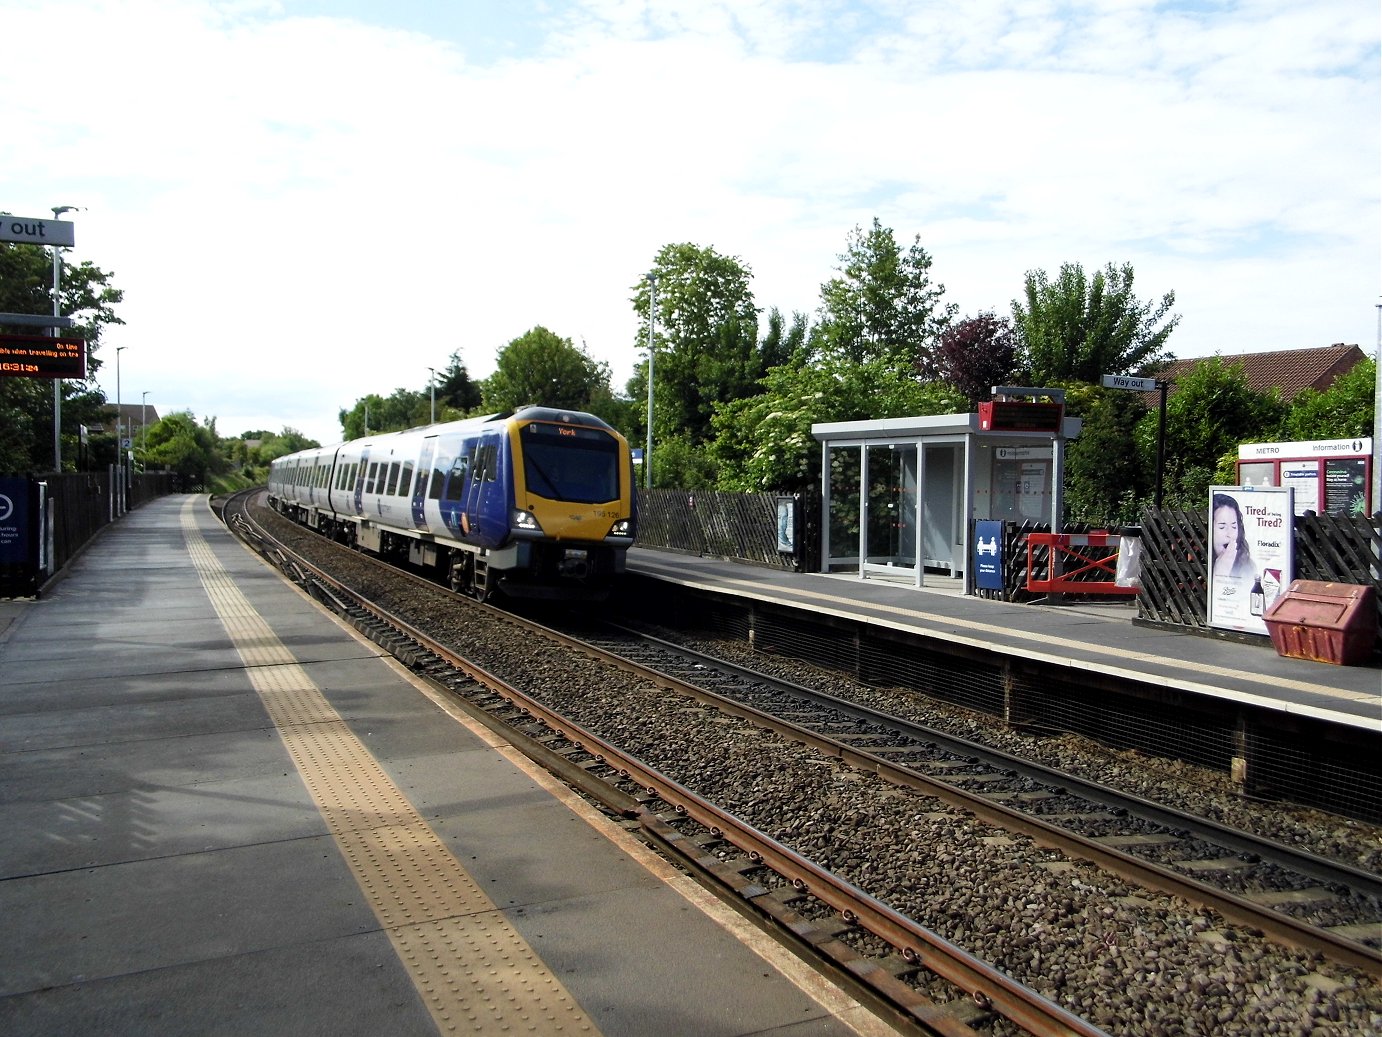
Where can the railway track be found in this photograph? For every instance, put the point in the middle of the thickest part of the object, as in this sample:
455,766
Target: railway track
741,863
1084,822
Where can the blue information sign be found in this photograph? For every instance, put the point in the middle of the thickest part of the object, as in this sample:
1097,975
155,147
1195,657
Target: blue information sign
15,548
988,555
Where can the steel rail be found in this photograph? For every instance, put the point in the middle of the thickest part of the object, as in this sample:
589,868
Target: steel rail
1282,928
1319,868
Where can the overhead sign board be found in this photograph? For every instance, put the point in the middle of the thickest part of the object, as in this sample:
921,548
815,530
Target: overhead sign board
1122,381
33,320
28,230
1013,416
37,356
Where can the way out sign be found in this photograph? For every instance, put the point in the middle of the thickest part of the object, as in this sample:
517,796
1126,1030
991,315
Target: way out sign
31,230
1122,381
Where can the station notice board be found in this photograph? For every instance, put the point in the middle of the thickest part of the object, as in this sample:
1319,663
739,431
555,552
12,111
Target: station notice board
42,356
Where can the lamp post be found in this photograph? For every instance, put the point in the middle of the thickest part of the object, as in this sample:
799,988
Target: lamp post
143,421
432,387
58,210
119,439
652,321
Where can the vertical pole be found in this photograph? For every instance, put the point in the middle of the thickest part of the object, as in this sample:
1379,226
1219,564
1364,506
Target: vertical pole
117,486
652,320
1377,422
1162,387
57,382
432,385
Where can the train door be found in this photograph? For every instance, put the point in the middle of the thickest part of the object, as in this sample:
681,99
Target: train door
360,481
485,493
453,498
424,476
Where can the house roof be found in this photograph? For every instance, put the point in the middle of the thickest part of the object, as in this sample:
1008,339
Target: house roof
1289,370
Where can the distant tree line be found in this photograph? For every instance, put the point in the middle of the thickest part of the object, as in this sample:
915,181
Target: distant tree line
736,389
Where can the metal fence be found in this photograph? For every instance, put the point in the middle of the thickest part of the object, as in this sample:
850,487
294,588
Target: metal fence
769,529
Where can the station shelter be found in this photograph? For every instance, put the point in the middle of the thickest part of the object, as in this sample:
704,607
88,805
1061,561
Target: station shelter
895,490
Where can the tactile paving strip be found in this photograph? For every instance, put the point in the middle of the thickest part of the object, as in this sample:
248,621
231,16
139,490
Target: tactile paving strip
473,970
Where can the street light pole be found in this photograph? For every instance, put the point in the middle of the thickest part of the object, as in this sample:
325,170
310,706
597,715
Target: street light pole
432,386
58,210
144,422
119,439
652,321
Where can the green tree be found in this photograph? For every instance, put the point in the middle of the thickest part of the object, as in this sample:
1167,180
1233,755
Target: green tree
1107,480
1211,410
1342,411
456,390
884,305
26,404
1079,328
705,336
781,342
403,408
540,367
178,443
764,442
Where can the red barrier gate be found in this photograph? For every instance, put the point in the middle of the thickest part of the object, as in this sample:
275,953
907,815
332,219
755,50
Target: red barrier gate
1077,580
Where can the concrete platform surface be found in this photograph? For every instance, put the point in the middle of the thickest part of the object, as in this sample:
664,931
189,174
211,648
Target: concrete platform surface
225,813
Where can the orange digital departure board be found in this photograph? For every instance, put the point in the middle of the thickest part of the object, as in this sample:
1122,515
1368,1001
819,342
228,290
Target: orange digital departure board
39,356
1015,416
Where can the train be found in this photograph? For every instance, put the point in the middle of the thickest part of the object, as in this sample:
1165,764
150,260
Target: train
534,503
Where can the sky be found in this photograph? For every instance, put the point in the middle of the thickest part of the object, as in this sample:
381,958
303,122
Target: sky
308,201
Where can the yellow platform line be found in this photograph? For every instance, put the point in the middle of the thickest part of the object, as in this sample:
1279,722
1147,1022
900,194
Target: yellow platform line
473,970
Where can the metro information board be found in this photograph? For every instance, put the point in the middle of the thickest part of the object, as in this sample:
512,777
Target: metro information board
41,356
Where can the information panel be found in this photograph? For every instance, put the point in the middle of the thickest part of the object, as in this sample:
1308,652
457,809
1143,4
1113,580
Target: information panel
41,356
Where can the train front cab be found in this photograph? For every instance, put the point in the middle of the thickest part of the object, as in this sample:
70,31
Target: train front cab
573,517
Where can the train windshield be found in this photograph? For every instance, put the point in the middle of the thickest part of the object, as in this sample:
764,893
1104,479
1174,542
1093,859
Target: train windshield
570,463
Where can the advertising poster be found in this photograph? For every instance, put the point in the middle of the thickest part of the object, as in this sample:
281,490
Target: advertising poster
1251,535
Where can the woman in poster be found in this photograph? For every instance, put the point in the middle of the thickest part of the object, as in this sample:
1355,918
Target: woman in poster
1232,558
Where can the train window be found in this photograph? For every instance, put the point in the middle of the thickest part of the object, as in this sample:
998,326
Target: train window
392,483
405,480
455,483
485,457
354,475
373,474
434,487
579,465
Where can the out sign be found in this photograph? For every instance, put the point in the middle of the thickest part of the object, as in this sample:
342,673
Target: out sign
29,230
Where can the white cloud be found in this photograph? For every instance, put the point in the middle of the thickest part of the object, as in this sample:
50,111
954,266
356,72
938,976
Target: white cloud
302,210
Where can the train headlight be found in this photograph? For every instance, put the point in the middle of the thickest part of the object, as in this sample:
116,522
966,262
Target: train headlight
622,528
525,520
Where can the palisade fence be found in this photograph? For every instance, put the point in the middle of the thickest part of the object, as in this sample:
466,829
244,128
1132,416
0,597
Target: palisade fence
738,526
1173,546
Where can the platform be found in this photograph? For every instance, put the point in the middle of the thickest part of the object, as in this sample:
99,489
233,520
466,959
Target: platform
226,813
1100,637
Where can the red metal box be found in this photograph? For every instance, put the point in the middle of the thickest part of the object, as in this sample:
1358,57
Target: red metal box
1327,622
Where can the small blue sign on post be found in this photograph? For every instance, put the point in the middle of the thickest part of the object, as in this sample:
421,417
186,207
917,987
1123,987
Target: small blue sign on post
988,554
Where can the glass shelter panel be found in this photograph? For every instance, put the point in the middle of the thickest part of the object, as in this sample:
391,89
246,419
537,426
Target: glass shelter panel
892,505
842,543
